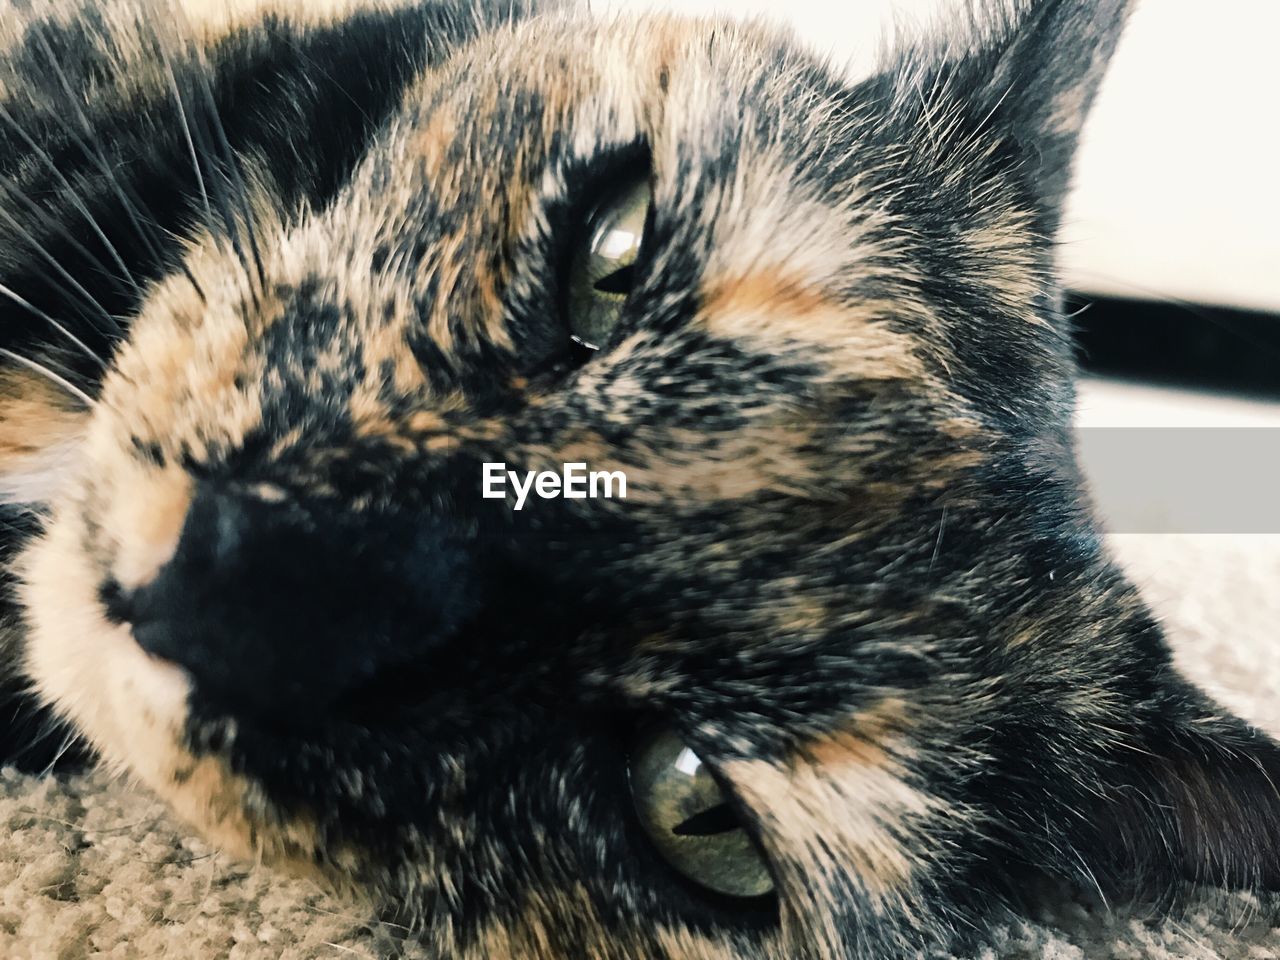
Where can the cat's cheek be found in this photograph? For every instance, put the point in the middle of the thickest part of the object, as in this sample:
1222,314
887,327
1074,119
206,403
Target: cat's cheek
75,658
130,706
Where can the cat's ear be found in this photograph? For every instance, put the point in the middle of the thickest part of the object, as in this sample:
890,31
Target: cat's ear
1014,77
1199,801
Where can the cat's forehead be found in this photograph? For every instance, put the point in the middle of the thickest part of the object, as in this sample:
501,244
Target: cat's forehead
744,139
515,115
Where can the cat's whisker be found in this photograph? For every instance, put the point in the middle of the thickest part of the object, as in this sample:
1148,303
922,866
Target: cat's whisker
937,544
341,949
89,300
1093,879
353,918
50,375
232,223
214,189
77,201
1153,294
184,120
180,102
1266,345
60,328
69,740
93,152
229,168
85,296
50,223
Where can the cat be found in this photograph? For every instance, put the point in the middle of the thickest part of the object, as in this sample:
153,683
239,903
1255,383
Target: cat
843,672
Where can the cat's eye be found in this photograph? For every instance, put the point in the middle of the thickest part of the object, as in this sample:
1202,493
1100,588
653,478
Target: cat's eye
603,265
690,820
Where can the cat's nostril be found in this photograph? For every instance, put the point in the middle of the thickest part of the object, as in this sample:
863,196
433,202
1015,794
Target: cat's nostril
117,604
283,608
120,608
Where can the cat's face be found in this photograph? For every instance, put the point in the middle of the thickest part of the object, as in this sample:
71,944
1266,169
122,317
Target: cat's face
849,608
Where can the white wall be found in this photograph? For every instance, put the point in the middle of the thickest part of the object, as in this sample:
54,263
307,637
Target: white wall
1178,183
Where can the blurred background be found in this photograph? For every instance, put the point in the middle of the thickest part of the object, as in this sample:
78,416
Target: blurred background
1170,247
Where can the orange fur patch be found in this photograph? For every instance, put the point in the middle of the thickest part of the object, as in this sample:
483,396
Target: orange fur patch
774,311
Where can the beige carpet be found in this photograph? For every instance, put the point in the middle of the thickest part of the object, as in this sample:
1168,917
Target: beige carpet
96,869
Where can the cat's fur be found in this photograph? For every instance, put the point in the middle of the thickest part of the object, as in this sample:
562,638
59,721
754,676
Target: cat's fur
319,246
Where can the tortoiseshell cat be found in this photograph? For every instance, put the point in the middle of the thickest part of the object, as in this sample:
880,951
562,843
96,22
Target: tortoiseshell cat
846,667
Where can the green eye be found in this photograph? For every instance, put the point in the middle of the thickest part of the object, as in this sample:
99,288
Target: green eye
691,822
602,268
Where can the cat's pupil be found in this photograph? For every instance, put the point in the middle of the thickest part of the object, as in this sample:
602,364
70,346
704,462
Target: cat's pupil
619,282
708,823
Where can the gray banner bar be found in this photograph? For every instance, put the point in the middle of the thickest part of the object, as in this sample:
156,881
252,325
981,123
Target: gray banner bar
1183,479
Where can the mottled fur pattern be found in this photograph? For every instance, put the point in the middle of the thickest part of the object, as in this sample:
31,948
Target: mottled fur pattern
276,279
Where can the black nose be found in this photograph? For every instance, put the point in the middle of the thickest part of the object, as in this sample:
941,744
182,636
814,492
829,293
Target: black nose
282,608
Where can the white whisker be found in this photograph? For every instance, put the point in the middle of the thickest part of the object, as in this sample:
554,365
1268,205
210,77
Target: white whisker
48,374
94,152
27,305
72,194
62,271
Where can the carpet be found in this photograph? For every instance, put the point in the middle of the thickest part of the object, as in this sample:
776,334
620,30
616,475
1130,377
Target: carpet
91,868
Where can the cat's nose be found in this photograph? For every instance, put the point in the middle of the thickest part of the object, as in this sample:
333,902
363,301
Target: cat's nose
280,608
